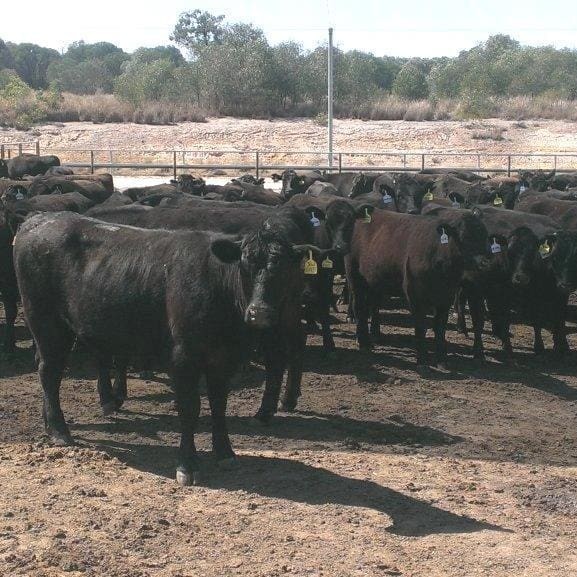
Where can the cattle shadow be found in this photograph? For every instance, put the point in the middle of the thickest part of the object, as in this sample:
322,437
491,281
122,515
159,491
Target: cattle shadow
303,426
291,480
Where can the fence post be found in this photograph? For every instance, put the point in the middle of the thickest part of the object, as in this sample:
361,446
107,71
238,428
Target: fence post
340,162
2,152
555,163
422,162
404,161
509,165
257,164
110,160
92,162
174,164
20,149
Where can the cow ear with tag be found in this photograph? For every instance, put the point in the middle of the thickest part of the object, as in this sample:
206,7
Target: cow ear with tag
495,246
428,196
445,231
316,215
364,213
310,266
498,201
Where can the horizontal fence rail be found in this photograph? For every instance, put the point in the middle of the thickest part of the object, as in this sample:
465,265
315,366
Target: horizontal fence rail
277,160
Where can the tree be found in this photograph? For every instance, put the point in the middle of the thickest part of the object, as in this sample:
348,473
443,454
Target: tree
6,59
147,55
410,83
31,63
196,30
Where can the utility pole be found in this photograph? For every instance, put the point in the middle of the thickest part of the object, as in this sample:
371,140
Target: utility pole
330,98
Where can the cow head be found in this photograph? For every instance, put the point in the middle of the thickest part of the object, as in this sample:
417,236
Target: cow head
559,252
190,184
538,180
470,236
293,183
409,193
270,268
360,185
522,248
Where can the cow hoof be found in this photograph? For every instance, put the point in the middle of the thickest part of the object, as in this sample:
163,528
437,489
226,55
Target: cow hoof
288,407
228,464
62,439
109,408
185,479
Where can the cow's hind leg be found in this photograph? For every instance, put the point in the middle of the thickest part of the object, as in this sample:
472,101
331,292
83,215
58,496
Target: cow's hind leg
185,376
119,389
217,380
104,386
275,354
296,346
54,343
440,329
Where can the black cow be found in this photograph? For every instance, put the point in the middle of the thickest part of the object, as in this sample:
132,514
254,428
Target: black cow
296,181
30,164
422,258
351,184
137,193
197,297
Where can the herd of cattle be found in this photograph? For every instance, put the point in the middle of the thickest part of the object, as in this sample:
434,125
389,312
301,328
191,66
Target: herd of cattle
199,277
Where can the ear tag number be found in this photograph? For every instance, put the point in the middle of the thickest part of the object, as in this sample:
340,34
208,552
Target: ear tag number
387,198
495,247
444,238
327,263
367,218
314,220
310,265
498,201
545,249
428,196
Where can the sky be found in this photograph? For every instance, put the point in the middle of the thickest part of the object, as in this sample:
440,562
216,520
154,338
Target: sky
406,28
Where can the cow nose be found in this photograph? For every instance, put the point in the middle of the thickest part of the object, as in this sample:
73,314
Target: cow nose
520,279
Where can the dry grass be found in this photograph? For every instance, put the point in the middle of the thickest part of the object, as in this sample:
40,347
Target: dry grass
489,133
108,108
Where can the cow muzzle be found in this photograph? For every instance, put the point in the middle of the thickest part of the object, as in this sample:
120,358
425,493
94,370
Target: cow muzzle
259,316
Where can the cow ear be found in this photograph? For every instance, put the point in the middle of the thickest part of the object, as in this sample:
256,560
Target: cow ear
226,250
363,210
448,230
316,212
260,181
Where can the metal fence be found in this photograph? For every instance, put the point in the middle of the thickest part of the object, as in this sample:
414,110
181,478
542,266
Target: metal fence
175,161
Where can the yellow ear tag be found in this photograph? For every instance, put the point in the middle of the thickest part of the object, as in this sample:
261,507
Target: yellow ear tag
367,218
327,263
498,201
545,249
428,196
311,265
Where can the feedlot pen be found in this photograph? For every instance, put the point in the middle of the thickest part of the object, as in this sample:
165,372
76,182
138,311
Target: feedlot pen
385,470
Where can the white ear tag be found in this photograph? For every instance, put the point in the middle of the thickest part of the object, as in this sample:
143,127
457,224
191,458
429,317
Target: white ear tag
522,189
444,238
19,196
495,247
456,204
387,198
314,220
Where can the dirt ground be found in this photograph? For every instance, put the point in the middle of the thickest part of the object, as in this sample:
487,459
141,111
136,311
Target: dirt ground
385,470
133,142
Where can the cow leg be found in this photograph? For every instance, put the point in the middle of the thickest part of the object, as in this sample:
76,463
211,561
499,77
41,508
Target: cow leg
275,355
296,346
328,340
53,347
375,318
104,386
560,344
185,376
11,310
461,306
440,329
362,310
217,388
538,345
420,334
500,312
119,389
477,309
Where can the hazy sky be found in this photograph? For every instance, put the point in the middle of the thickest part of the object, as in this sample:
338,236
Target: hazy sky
400,28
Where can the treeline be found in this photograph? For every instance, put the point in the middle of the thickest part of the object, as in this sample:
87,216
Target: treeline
231,69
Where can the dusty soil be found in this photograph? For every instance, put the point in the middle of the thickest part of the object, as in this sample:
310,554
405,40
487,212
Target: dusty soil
384,470
133,143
